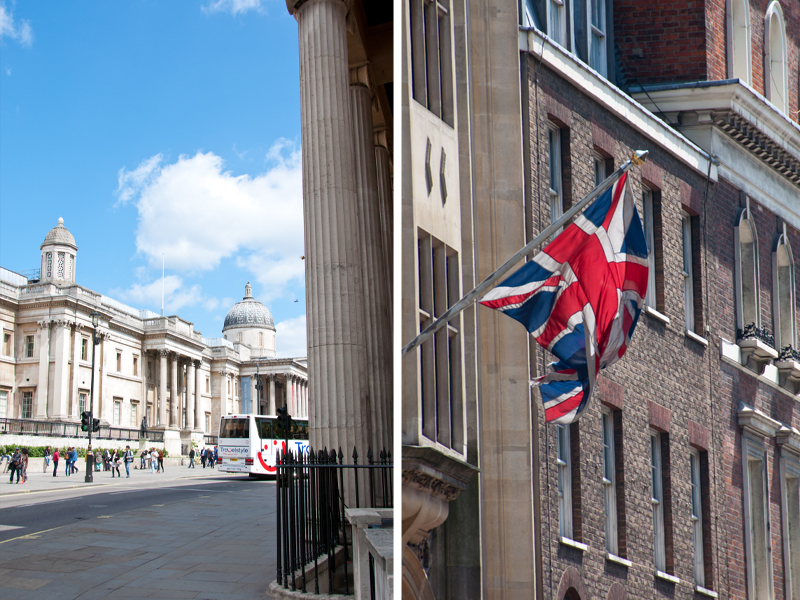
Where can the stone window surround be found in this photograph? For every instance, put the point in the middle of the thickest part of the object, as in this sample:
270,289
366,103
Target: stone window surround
789,442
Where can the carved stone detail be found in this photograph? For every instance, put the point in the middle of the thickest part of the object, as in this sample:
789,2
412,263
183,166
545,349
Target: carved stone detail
430,485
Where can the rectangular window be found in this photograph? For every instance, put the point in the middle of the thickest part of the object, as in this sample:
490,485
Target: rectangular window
117,410
440,356
135,366
149,370
657,501
119,362
758,549
697,517
134,414
28,346
84,349
431,57
82,397
597,37
651,209
688,282
610,483
149,414
557,21
3,404
599,169
7,344
208,423
563,460
27,405
260,340
790,469
554,160
208,385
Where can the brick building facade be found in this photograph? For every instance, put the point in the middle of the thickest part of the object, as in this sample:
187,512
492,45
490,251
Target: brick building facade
681,478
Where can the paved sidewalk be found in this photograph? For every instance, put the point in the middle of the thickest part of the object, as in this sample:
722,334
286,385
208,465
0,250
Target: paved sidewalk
220,544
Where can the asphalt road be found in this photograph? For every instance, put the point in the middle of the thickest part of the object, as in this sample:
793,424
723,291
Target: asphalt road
42,513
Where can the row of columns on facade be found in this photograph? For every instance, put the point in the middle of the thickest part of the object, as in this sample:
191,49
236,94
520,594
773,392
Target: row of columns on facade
295,394
192,378
347,198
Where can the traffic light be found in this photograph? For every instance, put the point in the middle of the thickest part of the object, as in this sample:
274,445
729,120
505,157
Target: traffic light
95,424
284,419
85,417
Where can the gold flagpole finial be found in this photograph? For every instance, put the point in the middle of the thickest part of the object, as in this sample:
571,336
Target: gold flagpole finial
639,156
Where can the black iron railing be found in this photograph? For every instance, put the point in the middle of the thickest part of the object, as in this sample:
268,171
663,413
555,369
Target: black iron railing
313,491
788,353
751,332
72,430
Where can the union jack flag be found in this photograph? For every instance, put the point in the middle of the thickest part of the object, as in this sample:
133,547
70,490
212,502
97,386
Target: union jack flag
581,298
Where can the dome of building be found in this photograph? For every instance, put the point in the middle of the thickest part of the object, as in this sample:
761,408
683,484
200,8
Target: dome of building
249,313
59,235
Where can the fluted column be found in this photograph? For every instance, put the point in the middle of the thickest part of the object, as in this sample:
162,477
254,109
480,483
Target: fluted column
40,412
337,357
385,205
223,393
58,402
173,391
271,408
190,379
376,290
162,388
76,372
198,374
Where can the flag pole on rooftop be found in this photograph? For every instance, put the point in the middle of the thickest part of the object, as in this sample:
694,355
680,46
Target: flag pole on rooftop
638,158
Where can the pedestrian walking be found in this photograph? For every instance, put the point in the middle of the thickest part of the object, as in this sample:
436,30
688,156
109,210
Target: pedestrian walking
74,459
115,462
191,458
128,457
23,466
161,460
55,461
216,456
203,457
154,461
46,458
106,460
7,459
16,459
143,459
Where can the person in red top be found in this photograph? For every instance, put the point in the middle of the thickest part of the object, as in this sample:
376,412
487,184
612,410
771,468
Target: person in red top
55,461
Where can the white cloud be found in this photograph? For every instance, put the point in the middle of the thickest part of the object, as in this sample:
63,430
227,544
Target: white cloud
233,7
195,213
290,337
148,295
21,32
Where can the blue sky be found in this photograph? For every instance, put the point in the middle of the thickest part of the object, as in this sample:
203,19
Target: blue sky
158,128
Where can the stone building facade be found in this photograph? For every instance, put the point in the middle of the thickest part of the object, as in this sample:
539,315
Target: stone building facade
146,365
680,479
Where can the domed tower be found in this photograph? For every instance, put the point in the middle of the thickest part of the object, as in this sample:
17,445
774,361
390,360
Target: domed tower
250,322
58,256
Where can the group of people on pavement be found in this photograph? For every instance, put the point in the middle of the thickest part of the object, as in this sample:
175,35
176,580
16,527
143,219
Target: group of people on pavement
19,464
206,456
156,458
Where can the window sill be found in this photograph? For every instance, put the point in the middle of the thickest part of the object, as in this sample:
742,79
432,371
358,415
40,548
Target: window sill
573,544
618,559
700,340
667,577
701,590
652,312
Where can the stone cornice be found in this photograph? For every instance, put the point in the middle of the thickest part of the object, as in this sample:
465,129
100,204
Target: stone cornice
788,439
435,473
756,422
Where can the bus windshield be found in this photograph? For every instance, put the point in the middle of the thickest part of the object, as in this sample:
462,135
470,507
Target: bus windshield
235,428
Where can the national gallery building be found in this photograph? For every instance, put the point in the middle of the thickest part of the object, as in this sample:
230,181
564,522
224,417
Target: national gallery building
146,365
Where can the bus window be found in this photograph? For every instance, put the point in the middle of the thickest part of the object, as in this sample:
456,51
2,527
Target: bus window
300,430
280,434
235,428
264,428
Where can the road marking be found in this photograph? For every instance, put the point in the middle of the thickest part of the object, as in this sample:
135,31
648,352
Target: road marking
157,505
10,527
31,536
104,517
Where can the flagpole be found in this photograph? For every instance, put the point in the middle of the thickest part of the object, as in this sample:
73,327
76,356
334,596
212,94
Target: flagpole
638,158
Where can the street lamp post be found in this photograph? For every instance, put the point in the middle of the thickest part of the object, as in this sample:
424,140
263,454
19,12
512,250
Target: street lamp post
89,454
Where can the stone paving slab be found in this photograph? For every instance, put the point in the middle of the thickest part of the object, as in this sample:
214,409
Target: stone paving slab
222,546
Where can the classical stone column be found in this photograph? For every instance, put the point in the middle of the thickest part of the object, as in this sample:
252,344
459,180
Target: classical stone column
385,204
199,423
376,291
40,412
162,389
335,304
100,377
190,395
173,392
76,372
58,402
223,392
271,409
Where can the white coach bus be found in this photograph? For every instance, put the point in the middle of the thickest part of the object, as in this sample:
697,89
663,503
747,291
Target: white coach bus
250,443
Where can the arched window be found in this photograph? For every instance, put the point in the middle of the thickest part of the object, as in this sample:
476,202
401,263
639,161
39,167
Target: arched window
775,67
739,62
746,248
783,303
